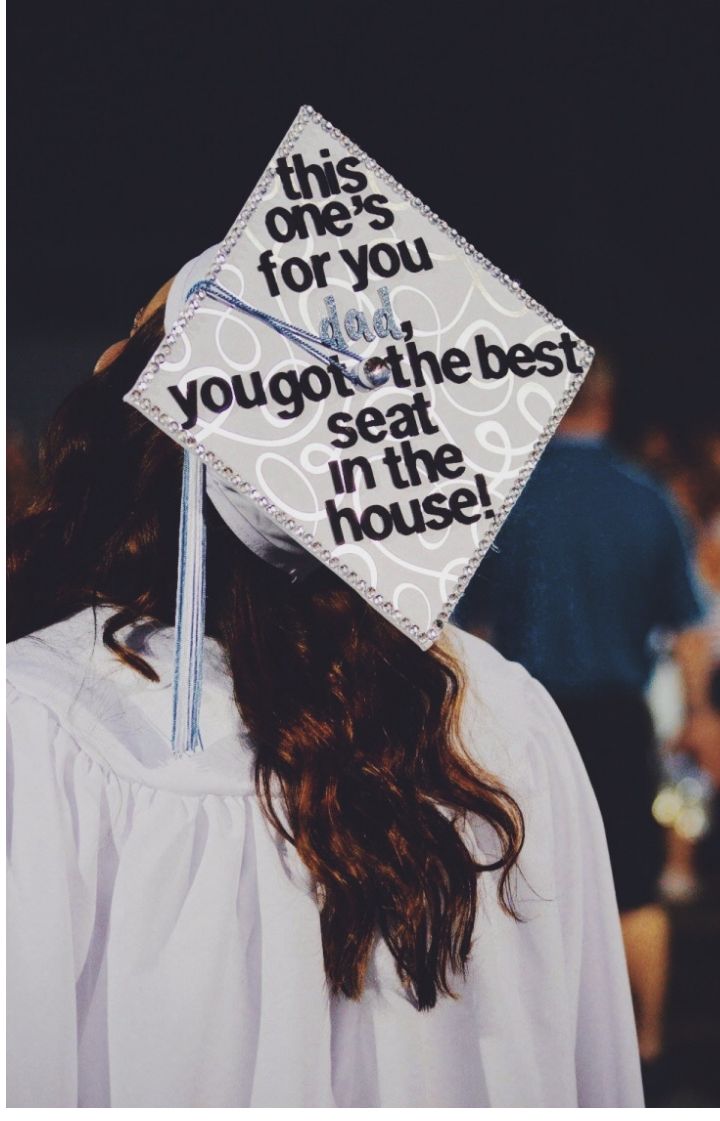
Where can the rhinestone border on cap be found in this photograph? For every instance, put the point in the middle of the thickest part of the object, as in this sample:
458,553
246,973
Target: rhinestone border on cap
135,397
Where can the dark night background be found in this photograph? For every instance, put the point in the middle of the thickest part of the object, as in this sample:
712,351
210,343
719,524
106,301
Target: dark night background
571,141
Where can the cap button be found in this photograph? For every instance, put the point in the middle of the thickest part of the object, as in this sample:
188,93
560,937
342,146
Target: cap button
372,373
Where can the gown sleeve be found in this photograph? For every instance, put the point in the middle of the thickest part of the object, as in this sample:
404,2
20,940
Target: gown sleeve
52,820
606,1051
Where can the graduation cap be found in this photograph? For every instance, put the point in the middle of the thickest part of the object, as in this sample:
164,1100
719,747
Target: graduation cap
354,385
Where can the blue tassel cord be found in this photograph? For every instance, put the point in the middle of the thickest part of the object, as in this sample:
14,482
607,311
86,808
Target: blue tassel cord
189,610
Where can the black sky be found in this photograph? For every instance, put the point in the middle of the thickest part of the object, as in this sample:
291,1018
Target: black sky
574,142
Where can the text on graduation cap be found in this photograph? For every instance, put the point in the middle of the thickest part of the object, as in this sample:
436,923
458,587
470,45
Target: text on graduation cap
292,389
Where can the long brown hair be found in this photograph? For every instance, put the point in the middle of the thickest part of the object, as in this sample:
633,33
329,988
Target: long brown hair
353,725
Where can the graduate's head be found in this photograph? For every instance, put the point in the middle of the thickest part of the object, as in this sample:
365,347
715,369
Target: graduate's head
356,725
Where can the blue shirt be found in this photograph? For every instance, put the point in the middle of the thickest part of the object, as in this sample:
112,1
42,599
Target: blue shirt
591,561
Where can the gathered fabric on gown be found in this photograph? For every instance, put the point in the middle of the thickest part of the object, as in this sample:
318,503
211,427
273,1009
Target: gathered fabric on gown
164,941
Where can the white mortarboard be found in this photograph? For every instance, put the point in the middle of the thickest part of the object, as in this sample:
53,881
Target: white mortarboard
356,386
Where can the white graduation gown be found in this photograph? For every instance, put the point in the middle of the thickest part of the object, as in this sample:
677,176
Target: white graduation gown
164,944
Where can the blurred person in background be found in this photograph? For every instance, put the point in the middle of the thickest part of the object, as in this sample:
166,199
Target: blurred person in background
692,472
689,464
591,565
